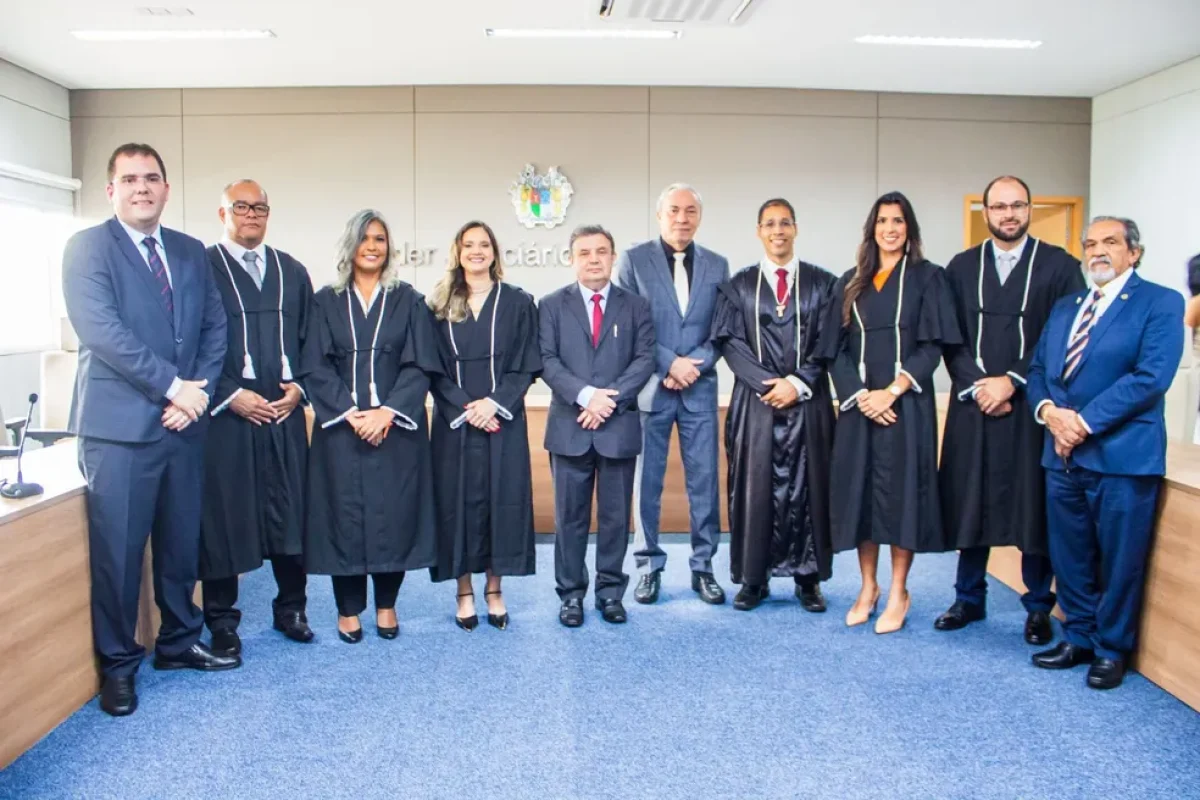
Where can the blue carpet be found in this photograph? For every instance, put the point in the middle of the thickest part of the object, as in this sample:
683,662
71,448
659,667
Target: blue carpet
685,700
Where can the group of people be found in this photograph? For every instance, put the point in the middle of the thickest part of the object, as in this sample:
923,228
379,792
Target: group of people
194,364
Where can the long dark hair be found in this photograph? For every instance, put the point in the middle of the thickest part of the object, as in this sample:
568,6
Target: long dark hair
449,297
867,263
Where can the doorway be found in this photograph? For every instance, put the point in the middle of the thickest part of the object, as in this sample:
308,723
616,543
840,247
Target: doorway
1057,220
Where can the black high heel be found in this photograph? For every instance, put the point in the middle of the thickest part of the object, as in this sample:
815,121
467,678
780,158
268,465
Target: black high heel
386,633
497,621
353,637
467,623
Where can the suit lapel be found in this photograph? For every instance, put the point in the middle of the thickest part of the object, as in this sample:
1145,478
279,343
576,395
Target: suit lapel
575,305
134,261
614,306
1110,316
699,265
662,273
181,275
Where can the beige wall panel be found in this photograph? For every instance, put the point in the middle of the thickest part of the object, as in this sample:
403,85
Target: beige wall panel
467,162
985,108
1161,86
318,169
33,90
936,163
33,138
825,167
794,102
545,99
337,100
125,103
94,139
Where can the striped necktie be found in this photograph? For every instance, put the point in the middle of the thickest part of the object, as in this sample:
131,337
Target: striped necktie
160,273
1079,339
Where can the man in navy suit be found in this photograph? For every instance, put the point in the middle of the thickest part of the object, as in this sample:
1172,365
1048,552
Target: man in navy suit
680,279
151,333
1103,365
597,343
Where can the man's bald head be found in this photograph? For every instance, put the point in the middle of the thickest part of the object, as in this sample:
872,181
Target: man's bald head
244,211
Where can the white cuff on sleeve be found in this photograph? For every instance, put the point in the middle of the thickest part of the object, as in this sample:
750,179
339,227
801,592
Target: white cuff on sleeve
1083,422
916,387
585,396
174,388
1037,412
457,422
335,421
402,420
225,404
501,410
852,400
1016,377
800,386
968,394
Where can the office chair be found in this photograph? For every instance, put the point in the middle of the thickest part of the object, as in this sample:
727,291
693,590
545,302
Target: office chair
10,437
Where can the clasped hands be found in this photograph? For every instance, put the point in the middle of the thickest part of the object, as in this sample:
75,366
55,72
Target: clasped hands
187,406
598,410
1067,428
252,406
992,395
683,373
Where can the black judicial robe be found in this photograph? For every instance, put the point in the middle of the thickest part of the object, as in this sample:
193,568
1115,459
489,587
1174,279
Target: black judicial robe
255,475
884,478
370,509
992,486
778,461
482,480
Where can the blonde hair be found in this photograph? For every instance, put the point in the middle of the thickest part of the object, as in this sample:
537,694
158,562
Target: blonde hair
353,235
448,300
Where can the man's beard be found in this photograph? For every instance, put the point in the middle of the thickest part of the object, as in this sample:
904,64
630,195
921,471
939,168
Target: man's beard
1008,237
1101,272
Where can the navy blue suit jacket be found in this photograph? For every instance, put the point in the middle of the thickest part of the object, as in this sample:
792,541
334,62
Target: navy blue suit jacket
623,361
1132,355
130,349
643,269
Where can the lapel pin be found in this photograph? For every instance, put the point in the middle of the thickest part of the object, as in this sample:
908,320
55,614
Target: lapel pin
616,331
1078,300
1124,297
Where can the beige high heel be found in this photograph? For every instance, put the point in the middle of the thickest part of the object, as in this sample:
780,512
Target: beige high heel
854,618
889,625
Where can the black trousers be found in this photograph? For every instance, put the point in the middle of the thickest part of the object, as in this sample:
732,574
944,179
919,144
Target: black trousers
350,592
220,595
575,479
135,492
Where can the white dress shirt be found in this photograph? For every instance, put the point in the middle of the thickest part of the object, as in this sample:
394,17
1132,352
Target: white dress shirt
1006,261
585,394
1108,293
239,255
770,272
137,237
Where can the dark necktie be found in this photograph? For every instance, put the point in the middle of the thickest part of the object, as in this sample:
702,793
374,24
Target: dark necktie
597,319
160,274
1079,340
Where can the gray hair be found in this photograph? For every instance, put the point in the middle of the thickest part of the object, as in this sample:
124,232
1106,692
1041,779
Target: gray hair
590,230
675,187
1133,236
239,182
351,238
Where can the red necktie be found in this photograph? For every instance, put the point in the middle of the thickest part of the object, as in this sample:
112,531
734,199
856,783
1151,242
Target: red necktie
781,291
597,318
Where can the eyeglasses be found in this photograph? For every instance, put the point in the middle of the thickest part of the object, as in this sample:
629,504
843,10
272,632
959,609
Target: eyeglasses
782,224
242,209
1000,208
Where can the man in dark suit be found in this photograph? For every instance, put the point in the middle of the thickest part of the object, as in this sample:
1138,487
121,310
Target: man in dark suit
1102,367
680,278
151,339
597,343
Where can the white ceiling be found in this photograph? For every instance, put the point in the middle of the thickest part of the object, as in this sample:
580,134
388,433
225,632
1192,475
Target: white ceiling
1089,46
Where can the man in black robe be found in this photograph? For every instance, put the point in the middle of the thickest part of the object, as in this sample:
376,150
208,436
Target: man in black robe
992,484
779,428
258,445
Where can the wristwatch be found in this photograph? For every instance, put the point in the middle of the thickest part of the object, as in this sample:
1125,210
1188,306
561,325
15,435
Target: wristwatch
895,390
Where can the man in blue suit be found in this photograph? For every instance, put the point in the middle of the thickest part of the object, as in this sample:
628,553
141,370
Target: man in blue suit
151,333
1103,365
597,344
680,279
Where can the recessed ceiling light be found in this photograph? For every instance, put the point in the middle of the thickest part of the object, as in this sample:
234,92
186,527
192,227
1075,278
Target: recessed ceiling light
938,41
167,35
581,33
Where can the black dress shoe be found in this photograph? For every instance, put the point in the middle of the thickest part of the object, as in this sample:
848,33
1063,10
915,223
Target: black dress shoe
1106,673
197,657
497,621
353,637
571,612
749,597
960,615
386,631
226,642
118,697
707,587
293,625
1038,629
1064,655
470,623
611,609
811,599
647,588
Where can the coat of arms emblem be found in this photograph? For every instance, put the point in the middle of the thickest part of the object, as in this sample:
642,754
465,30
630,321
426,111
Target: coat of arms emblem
541,199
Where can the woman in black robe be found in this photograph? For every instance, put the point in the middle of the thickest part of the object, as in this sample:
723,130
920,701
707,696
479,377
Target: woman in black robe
887,324
367,357
487,337
778,449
